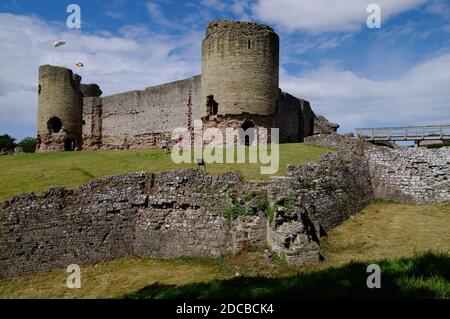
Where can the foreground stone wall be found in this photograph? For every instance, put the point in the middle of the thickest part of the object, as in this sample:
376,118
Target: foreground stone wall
184,216
179,213
411,175
164,215
323,195
191,213
62,227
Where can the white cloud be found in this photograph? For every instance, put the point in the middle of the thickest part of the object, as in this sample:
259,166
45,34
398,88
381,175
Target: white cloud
135,60
158,15
323,42
240,8
159,18
325,15
420,96
134,31
214,4
439,7
114,14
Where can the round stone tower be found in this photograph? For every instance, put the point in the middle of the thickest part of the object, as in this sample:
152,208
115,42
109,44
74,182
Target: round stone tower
240,69
60,110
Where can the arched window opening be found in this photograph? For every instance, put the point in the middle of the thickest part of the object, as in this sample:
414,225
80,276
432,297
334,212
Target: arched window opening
54,125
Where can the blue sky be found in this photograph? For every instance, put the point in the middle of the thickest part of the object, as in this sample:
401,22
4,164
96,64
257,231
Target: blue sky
355,76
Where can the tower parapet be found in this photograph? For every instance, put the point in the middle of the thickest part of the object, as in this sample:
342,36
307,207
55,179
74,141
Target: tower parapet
60,110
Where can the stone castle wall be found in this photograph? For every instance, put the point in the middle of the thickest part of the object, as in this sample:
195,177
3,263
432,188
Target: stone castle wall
92,123
411,175
294,118
238,88
61,228
140,119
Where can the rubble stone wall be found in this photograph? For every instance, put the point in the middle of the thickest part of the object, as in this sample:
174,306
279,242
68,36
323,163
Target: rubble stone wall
192,213
169,214
314,198
411,175
416,175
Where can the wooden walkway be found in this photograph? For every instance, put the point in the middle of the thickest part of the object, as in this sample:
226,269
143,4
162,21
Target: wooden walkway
407,133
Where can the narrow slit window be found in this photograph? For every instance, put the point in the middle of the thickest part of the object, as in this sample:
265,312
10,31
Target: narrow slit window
212,107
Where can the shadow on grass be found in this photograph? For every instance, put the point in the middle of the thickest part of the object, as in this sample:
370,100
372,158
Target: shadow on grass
422,276
83,172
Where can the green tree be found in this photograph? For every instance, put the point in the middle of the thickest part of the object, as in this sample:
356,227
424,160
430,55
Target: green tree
7,142
28,144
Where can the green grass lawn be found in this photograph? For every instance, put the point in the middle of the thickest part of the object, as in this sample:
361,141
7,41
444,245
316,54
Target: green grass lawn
37,172
409,242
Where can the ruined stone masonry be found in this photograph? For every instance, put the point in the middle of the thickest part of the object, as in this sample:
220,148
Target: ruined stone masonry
411,175
238,88
155,215
189,212
184,213
178,213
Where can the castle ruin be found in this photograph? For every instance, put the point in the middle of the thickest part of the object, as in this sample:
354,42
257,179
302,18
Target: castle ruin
238,88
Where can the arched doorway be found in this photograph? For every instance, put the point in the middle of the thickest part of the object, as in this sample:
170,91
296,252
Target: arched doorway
69,145
248,136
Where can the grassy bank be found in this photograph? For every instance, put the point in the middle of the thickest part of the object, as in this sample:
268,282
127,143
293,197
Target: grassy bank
37,172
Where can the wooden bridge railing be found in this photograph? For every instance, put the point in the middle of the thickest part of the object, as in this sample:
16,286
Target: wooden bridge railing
407,133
